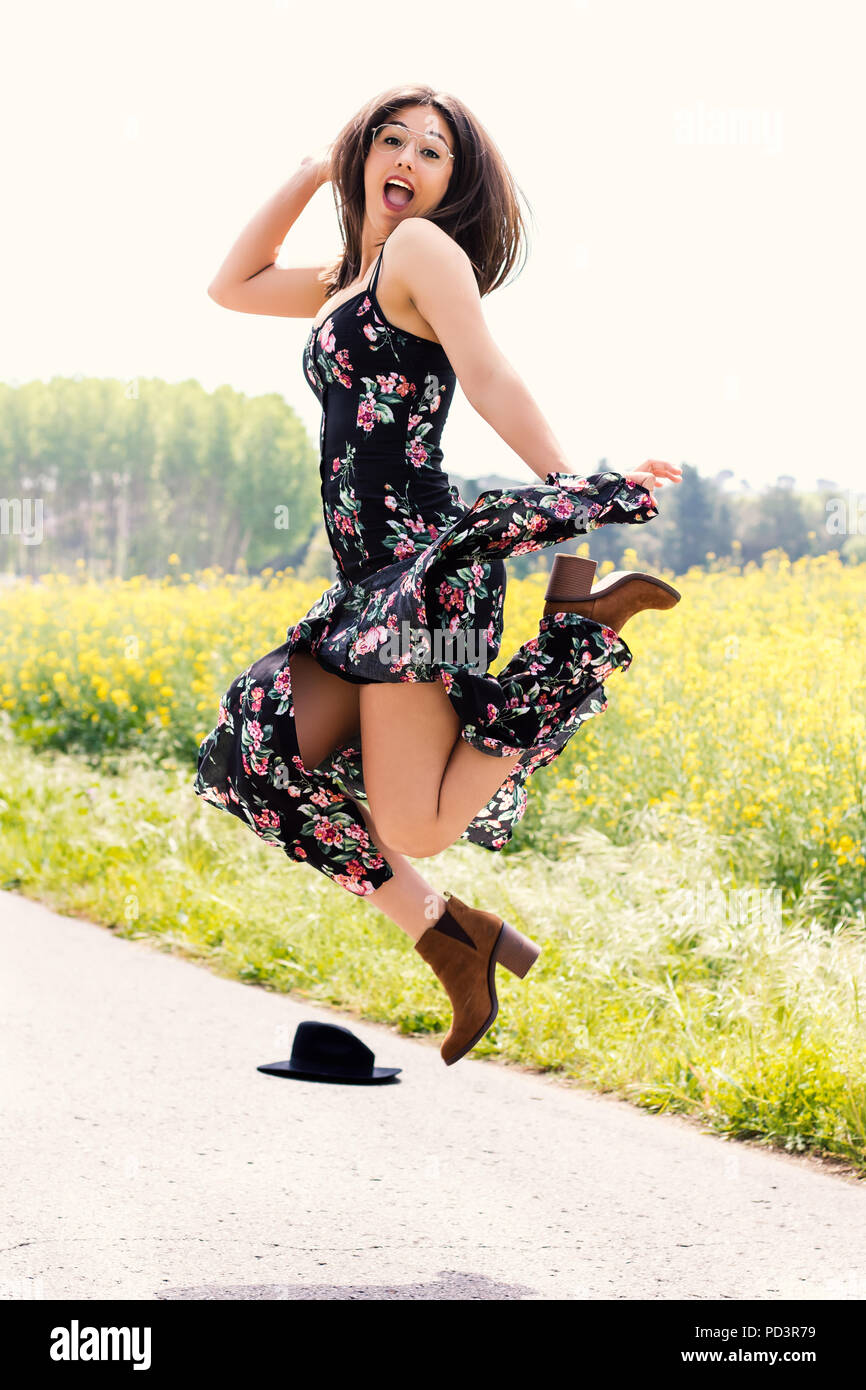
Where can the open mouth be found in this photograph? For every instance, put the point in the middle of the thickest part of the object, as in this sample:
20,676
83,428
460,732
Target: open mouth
396,196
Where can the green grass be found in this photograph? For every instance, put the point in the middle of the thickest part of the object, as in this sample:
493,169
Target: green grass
754,1027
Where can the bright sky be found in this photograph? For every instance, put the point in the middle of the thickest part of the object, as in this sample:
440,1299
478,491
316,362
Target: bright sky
695,288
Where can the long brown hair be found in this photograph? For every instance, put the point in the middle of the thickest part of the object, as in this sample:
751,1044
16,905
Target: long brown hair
480,208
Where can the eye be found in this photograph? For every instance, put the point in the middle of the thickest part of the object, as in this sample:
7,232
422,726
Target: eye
428,149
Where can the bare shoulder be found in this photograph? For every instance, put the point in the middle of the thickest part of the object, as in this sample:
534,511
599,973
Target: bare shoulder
437,276
417,241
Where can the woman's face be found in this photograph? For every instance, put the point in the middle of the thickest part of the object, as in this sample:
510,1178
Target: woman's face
428,176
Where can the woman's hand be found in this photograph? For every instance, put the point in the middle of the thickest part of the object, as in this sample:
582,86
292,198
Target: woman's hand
322,160
653,474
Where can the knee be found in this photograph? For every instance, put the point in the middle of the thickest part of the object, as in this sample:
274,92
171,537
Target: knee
418,842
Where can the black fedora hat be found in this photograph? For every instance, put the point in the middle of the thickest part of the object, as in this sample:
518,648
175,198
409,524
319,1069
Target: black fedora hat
326,1052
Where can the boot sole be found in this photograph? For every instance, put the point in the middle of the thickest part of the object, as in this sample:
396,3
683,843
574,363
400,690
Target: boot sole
518,954
603,588
646,592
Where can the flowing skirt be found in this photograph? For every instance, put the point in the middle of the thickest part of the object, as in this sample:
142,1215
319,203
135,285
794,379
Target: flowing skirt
433,615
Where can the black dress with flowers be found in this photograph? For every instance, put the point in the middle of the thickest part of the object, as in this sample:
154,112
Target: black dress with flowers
419,597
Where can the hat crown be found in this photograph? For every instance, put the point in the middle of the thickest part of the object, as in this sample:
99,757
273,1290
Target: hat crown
331,1050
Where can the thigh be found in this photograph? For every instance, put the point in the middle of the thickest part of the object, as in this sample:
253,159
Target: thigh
408,730
327,709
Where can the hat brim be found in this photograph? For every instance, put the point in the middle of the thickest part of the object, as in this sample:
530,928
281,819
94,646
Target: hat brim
286,1069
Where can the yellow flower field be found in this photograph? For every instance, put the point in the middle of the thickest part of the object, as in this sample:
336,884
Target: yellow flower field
745,705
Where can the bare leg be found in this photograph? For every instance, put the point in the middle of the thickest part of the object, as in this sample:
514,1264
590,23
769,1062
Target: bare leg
327,715
326,709
423,780
407,898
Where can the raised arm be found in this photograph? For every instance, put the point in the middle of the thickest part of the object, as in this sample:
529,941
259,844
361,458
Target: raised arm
248,280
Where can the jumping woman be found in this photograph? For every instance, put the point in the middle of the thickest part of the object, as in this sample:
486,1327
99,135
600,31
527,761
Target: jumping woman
374,732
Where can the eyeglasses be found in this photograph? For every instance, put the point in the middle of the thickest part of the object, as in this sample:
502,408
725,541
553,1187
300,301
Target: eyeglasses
394,138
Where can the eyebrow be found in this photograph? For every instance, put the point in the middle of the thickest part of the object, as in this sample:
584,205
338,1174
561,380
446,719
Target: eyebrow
423,132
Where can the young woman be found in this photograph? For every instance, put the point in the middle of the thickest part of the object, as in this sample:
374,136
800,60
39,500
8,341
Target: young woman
391,661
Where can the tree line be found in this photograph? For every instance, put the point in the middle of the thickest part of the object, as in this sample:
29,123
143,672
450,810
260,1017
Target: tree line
149,477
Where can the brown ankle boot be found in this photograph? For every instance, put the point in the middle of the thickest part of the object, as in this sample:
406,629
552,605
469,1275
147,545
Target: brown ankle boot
613,601
462,949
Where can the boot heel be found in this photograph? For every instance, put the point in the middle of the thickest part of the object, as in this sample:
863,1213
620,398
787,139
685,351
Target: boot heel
570,578
515,951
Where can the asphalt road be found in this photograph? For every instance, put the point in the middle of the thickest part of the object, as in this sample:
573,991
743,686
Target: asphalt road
143,1156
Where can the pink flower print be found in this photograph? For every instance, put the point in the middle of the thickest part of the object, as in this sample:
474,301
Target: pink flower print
369,333
320,798
268,820
387,383
293,790
432,530
283,681
371,639
325,337
403,548
364,306
492,711
246,764
366,412
256,699
537,523
335,466
255,729
531,645
361,887
260,765
477,572
327,832
447,595
299,852
222,716
417,454
405,388
355,832
434,405
562,508
413,421
416,525
525,547
447,680
391,503
609,636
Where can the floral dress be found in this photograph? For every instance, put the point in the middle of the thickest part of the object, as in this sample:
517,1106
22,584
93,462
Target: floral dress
419,597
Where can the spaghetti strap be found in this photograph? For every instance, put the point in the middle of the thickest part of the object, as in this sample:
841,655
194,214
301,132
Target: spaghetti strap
375,276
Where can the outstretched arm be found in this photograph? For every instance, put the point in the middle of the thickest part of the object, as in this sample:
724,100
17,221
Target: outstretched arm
439,279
